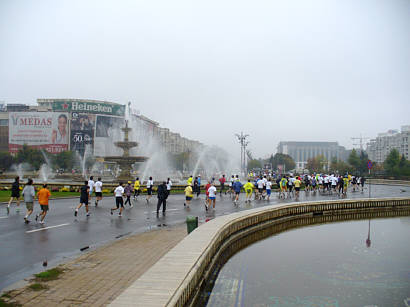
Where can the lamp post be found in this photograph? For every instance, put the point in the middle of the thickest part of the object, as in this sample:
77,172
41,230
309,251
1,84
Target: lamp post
242,140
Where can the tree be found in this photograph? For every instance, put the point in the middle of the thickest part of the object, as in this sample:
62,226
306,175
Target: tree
282,159
354,160
339,166
253,164
64,160
6,160
317,164
32,156
392,162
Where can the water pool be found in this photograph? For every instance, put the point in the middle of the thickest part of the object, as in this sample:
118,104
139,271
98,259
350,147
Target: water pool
352,263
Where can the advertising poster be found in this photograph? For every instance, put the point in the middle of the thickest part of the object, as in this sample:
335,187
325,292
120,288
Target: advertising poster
107,132
82,132
43,130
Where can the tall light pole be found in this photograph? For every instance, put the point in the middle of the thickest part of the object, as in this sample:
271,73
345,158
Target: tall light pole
242,140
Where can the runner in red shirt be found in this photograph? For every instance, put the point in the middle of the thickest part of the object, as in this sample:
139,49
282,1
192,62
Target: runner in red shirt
222,182
208,185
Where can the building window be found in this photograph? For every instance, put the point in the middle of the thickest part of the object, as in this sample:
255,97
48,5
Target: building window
4,122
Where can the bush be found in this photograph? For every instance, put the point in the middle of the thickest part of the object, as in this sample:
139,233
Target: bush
65,189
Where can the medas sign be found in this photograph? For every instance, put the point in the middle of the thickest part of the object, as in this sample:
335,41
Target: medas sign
85,106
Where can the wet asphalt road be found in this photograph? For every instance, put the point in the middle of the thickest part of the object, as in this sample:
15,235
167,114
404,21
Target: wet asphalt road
24,247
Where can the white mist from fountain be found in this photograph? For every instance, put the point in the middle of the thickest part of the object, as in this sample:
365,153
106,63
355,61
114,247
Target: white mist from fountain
46,170
21,168
83,159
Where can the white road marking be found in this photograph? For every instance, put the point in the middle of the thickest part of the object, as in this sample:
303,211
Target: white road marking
40,229
3,217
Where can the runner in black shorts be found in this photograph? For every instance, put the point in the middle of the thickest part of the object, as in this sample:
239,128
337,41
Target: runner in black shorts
84,191
119,201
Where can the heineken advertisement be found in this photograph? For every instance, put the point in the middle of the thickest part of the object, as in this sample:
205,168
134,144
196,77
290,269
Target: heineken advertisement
89,107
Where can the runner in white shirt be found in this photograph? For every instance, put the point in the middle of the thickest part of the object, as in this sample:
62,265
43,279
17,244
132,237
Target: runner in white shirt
150,185
91,185
212,195
119,201
260,184
98,191
169,185
268,189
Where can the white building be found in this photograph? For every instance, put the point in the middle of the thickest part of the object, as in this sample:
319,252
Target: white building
379,148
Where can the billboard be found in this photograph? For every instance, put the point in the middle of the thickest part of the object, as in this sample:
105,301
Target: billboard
82,132
107,132
45,130
89,107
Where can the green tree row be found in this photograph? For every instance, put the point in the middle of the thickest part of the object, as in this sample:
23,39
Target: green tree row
35,157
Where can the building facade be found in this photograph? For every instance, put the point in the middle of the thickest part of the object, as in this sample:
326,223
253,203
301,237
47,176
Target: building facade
301,152
379,148
81,125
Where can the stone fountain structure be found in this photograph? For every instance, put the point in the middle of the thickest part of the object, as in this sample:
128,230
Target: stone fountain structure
126,161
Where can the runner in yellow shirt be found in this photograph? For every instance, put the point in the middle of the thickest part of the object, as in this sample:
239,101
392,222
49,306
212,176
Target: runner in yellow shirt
297,184
248,187
137,186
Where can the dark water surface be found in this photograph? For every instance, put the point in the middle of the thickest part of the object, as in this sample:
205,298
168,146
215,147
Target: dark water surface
321,266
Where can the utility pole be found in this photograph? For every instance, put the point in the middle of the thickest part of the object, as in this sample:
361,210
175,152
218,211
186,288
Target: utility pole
361,140
242,140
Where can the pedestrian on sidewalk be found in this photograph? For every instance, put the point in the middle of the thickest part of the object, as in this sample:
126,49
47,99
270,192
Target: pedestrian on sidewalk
150,185
43,196
15,194
188,195
84,197
162,194
137,186
98,191
119,201
128,192
28,194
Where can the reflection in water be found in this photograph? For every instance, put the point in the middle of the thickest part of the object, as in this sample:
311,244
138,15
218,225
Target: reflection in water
324,265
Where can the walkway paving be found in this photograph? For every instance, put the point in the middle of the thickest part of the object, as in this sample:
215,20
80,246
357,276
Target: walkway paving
96,278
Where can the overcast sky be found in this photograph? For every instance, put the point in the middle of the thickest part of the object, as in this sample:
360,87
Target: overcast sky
317,70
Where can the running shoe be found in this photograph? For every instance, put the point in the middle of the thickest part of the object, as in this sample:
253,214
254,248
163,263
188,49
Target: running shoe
41,222
119,214
88,214
111,211
96,204
131,205
75,212
26,220
36,217
8,209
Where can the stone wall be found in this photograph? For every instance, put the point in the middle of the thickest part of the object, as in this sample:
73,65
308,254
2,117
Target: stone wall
177,277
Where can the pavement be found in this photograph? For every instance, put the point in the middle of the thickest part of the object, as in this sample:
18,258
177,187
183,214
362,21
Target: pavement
63,237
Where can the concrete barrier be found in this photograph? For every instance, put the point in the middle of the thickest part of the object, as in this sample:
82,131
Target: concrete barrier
176,278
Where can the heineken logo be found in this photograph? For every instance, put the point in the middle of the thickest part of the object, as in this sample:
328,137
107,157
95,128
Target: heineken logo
89,107
83,106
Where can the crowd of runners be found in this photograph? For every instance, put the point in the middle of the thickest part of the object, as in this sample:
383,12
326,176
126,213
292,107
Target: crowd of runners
256,187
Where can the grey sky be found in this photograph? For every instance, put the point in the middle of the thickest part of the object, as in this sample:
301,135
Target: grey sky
278,70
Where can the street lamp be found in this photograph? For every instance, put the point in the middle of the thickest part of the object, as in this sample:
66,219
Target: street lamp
242,140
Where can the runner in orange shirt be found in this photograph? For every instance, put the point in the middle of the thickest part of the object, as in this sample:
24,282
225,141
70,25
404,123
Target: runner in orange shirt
43,195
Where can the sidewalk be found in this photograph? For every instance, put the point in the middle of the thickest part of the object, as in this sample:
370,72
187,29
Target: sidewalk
97,277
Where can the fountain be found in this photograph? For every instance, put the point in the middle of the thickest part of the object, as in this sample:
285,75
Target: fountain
125,161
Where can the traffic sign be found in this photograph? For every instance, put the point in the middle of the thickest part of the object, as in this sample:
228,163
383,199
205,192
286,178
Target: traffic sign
369,164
